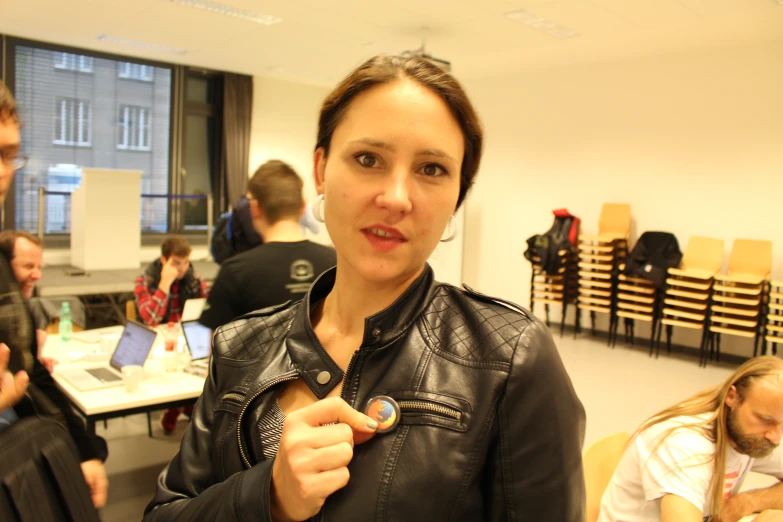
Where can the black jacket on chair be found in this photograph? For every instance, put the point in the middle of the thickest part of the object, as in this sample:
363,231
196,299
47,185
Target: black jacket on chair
496,434
654,254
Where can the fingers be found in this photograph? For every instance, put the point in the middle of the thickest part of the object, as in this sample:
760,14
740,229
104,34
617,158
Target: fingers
330,481
333,457
324,436
335,409
12,388
5,356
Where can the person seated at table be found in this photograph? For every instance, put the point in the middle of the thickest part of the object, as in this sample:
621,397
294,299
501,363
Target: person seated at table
24,253
17,332
160,295
167,282
687,463
281,269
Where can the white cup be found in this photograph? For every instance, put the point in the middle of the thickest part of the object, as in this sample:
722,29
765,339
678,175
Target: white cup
131,377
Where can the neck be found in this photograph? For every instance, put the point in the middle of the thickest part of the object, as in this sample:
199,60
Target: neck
284,231
355,298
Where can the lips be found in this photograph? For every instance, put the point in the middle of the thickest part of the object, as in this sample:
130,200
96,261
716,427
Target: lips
385,232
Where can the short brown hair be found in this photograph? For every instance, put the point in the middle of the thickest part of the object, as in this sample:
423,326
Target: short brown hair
386,69
175,246
7,104
278,190
8,241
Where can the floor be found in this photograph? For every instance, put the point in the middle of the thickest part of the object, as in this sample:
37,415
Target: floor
619,388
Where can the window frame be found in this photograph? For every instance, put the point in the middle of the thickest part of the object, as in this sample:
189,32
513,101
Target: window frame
76,127
177,99
128,127
62,56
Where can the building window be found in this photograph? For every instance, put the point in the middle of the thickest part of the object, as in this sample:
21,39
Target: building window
134,128
136,71
73,62
72,122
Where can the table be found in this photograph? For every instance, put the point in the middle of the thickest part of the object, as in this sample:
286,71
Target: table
158,390
112,287
58,281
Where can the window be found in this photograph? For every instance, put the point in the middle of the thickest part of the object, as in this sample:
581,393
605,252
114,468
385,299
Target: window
73,62
72,122
76,121
134,131
136,71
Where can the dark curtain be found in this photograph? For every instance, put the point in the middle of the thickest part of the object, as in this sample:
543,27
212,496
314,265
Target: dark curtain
237,113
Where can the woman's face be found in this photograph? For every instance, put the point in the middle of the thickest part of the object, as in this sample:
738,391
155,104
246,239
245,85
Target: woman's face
391,180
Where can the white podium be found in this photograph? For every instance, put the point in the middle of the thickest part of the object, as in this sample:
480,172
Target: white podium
106,220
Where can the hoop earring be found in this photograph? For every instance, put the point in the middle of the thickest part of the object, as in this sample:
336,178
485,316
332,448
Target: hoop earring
451,230
318,212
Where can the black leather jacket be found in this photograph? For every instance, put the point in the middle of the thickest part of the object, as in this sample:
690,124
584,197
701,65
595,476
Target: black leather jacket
492,429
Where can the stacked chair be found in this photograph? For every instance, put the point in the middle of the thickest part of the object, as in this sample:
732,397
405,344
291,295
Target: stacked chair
687,299
738,297
773,326
599,260
554,280
641,285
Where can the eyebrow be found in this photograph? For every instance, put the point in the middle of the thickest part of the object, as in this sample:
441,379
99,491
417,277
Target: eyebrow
386,146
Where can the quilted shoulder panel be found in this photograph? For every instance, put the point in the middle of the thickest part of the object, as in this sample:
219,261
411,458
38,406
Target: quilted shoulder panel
474,327
252,335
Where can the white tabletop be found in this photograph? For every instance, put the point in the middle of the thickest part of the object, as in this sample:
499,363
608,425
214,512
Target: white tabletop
59,281
157,386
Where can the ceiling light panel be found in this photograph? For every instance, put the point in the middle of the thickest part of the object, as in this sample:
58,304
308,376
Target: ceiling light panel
143,45
228,10
539,23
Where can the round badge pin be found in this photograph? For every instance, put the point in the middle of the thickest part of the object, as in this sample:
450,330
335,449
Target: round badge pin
385,411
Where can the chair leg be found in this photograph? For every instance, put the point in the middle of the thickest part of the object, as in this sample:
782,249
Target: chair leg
669,331
577,321
546,312
652,335
717,348
592,323
563,318
149,424
657,341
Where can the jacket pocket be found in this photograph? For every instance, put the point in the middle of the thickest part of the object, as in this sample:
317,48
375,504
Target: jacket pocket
231,402
432,409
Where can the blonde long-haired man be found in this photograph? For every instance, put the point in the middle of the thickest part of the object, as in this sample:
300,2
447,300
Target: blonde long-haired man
688,462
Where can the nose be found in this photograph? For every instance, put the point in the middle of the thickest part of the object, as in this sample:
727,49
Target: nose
775,434
395,196
36,275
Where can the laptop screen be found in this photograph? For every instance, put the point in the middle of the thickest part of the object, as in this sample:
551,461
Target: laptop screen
134,345
199,339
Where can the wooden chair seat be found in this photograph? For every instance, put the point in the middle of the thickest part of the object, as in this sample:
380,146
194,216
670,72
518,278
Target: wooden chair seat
690,295
722,319
594,275
744,312
737,290
594,284
636,298
595,301
683,324
735,300
635,307
686,304
631,315
636,289
682,314
732,331
593,308
688,284
692,273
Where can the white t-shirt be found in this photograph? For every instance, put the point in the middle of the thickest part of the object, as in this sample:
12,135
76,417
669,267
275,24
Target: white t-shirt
679,466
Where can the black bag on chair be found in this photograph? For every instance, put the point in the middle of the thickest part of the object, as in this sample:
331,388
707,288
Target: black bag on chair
40,476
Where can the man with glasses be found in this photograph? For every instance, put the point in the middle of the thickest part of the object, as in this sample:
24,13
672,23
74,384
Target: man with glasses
17,331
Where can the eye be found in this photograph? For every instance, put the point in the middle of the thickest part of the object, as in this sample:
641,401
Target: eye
433,170
367,160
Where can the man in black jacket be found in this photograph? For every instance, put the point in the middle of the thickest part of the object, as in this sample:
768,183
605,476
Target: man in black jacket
17,329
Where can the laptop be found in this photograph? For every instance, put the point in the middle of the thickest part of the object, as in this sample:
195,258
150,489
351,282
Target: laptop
133,348
193,309
199,341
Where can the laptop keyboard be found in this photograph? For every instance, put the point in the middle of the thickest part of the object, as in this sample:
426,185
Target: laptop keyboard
104,375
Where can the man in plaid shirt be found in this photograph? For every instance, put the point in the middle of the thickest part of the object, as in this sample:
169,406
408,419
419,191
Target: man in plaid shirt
166,284
160,295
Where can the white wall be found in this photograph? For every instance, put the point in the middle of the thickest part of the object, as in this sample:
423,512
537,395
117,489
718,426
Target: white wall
694,142
285,121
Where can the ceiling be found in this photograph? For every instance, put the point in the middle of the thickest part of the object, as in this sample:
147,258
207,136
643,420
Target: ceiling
319,40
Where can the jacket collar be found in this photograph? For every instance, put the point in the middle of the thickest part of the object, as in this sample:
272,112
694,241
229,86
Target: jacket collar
310,358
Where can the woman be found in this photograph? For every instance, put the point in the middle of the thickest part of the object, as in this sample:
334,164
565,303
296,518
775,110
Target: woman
476,420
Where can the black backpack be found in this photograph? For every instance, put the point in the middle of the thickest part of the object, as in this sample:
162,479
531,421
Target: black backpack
221,246
562,235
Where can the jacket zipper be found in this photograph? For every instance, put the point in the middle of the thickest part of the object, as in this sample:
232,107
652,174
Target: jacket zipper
273,382
347,373
429,407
